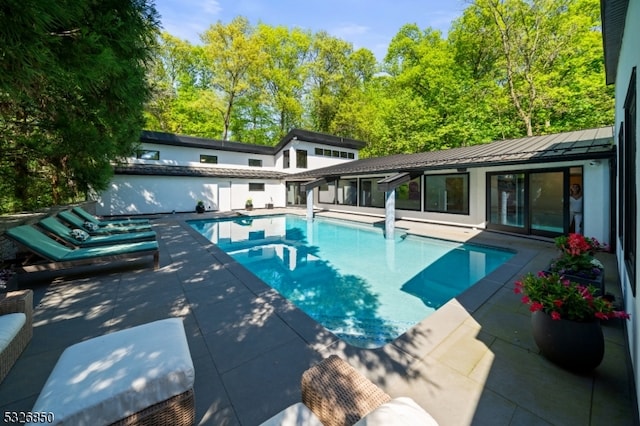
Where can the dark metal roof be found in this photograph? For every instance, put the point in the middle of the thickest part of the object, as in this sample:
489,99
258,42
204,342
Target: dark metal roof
194,142
212,172
613,14
577,145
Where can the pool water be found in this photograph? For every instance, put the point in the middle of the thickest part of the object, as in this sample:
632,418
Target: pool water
364,288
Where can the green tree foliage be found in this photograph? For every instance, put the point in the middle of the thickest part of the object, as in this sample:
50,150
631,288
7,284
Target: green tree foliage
233,54
72,91
541,49
508,68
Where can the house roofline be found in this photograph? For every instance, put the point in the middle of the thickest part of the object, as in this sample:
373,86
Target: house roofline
172,139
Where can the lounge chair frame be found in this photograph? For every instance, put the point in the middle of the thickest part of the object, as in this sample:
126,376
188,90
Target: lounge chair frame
35,261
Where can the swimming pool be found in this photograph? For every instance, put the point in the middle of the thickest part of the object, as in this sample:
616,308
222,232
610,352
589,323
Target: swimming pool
364,288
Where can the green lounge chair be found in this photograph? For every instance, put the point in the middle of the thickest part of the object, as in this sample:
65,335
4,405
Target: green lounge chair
83,214
58,256
78,222
61,232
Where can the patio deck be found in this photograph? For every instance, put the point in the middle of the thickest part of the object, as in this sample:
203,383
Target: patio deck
473,362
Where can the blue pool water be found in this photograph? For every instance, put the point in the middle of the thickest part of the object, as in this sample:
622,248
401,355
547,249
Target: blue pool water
364,288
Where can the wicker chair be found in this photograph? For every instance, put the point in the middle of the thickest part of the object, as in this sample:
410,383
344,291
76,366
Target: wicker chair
15,302
338,394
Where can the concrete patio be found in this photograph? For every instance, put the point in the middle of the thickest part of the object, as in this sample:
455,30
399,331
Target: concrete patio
473,362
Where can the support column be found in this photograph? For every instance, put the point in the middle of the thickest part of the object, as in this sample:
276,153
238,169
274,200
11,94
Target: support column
390,213
310,204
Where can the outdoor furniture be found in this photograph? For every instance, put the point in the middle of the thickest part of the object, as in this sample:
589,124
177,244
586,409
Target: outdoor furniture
139,376
83,214
63,233
336,394
16,319
57,256
93,229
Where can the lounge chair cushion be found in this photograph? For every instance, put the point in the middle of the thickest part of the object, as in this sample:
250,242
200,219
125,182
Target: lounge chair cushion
294,415
10,325
107,378
38,242
79,234
402,411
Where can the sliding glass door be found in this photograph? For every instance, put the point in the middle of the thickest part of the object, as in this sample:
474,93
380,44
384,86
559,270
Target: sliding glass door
530,202
546,201
507,200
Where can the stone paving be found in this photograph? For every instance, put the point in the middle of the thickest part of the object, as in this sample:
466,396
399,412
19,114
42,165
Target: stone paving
473,362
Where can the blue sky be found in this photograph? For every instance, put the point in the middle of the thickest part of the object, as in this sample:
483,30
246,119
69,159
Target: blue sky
365,23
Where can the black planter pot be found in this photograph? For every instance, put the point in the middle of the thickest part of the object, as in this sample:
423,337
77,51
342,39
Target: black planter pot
199,209
573,345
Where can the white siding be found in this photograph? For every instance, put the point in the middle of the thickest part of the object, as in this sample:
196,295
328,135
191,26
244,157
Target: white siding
629,58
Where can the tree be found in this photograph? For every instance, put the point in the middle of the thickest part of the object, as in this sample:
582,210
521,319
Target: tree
182,99
232,53
284,75
536,40
72,92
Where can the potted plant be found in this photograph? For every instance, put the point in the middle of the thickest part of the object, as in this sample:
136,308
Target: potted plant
200,206
566,319
249,204
577,260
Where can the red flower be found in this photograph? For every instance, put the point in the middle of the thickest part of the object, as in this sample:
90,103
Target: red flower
536,306
558,303
601,315
555,316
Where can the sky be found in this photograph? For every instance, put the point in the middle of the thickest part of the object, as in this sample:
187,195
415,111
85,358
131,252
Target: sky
364,23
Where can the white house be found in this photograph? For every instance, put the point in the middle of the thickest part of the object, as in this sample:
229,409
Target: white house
171,173
621,36
520,185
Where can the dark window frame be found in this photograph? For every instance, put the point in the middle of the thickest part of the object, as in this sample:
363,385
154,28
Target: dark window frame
141,152
255,162
256,186
629,178
301,159
425,193
204,158
286,159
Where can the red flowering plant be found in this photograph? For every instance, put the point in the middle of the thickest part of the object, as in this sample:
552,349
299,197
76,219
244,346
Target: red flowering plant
577,256
563,299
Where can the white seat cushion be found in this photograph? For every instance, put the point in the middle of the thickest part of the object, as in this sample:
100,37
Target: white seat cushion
294,415
10,325
400,411
110,377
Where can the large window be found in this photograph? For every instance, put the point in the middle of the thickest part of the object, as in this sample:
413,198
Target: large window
370,195
347,192
301,159
629,177
409,195
327,193
447,193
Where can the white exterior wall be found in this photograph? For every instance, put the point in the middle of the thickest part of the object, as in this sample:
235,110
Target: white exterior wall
186,156
141,194
629,58
130,195
595,181
313,161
